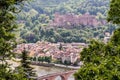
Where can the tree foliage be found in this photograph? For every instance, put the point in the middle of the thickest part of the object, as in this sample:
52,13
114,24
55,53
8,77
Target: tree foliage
102,61
7,39
37,24
114,12
25,65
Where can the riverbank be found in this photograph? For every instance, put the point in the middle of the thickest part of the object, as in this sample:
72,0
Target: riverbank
16,61
55,65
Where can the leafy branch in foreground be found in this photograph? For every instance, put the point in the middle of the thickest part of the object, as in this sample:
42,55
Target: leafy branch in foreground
102,61
7,38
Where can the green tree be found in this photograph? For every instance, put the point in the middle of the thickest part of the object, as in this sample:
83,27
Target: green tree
25,65
40,59
43,59
67,63
48,59
114,12
102,61
34,58
7,38
60,47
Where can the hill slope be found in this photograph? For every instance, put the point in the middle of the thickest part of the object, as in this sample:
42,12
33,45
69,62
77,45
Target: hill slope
37,16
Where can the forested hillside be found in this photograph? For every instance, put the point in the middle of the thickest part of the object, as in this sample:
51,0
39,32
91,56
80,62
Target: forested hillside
64,20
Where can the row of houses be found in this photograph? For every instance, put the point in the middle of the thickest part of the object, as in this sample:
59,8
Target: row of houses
68,52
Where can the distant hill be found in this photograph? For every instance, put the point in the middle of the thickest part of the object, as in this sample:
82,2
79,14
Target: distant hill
39,22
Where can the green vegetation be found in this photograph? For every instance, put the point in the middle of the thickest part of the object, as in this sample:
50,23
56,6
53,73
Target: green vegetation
113,14
102,61
25,64
67,63
37,15
7,38
42,59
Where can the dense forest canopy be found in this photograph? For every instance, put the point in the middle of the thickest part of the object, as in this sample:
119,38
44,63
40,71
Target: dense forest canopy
38,18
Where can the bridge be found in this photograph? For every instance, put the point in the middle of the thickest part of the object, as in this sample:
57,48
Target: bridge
63,75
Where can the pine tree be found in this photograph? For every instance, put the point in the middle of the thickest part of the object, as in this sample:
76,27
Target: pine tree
25,64
7,38
60,47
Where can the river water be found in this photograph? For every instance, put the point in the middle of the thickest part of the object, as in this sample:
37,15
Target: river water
41,71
